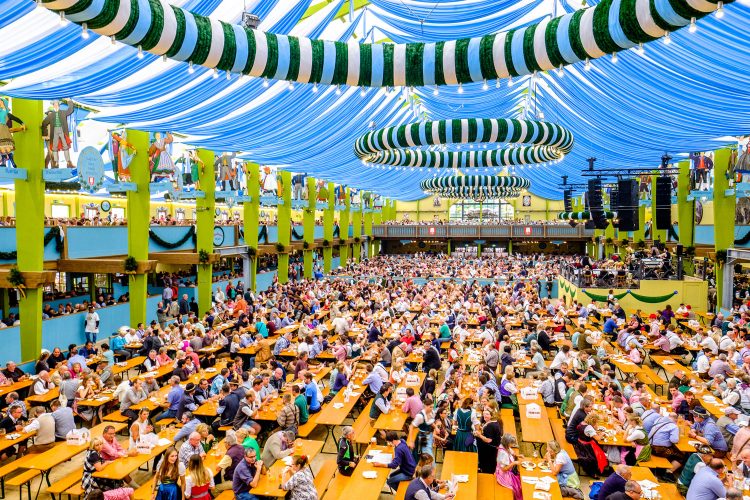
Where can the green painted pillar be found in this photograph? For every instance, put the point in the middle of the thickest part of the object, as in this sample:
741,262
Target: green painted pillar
205,217
377,219
510,247
308,221
139,217
660,234
640,234
609,232
724,211
357,231
285,225
29,154
251,213
328,219
344,225
367,216
685,208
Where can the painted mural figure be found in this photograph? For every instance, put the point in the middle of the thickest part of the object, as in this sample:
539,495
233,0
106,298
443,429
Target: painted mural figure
55,132
268,183
227,175
197,167
122,153
160,162
298,187
7,145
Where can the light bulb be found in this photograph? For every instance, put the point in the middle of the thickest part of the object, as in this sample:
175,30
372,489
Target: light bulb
497,83
587,66
112,40
510,81
290,86
693,27
667,38
191,70
62,20
485,86
362,92
338,90
164,58
720,10
140,52
214,73
460,89
560,71
265,83
640,49
229,75
84,31
614,58
315,88
436,91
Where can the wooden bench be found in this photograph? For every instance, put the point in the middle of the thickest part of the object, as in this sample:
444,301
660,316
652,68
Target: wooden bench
509,421
24,479
59,486
306,429
13,466
225,495
75,491
116,416
324,476
363,430
656,463
145,491
558,430
401,491
488,488
336,486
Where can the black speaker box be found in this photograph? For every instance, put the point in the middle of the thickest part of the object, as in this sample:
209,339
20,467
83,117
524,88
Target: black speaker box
627,205
568,199
663,202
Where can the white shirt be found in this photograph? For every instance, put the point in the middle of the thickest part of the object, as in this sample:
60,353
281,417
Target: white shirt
703,364
711,344
91,320
42,387
121,390
560,358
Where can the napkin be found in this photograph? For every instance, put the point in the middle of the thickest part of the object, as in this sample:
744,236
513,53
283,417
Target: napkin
370,474
164,442
461,478
541,495
649,485
542,485
288,460
338,405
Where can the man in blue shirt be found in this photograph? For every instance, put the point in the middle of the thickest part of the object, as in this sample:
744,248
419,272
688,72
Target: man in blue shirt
708,482
664,435
609,326
707,432
311,394
75,358
173,399
282,344
189,423
403,461
118,345
373,381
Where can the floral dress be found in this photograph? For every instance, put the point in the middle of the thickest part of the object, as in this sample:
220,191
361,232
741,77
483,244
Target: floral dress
301,485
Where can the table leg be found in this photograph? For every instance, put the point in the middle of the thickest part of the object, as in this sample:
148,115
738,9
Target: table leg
45,476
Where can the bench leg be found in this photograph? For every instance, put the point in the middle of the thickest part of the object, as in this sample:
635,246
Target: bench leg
45,476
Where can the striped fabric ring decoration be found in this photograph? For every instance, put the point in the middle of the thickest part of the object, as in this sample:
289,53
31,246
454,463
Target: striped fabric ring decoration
546,142
582,215
475,187
163,29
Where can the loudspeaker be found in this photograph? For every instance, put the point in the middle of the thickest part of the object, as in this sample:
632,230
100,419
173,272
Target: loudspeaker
595,203
679,249
568,199
663,202
627,205
614,199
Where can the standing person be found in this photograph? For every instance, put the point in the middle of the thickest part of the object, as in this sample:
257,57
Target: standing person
169,481
424,421
466,420
199,481
91,325
488,441
298,479
507,465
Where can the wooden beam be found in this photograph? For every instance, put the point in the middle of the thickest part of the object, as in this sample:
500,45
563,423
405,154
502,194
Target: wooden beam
102,266
182,258
33,279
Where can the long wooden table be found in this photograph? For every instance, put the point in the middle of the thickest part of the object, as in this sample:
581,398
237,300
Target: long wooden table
528,488
358,486
269,484
395,419
123,467
462,463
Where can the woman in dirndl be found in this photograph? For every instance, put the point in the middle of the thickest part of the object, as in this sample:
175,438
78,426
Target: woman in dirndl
7,145
170,477
506,472
465,419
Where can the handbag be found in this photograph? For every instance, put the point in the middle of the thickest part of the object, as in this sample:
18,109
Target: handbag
469,440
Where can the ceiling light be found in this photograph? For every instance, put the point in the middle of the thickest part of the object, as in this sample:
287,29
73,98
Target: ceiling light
460,89
215,73
587,65
693,27
62,20
640,49
667,38
614,58
140,52
338,89
720,10
229,75
510,81
84,31
560,71
485,86
191,70
315,88
436,91
265,83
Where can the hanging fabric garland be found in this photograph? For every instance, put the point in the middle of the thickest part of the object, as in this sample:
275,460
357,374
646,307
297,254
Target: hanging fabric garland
171,245
390,145
263,234
603,298
652,300
53,234
609,27
475,187
296,235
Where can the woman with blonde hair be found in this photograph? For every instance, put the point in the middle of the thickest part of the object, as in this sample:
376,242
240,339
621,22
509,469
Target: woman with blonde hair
509,390
397,372
93,462
207,439
198,480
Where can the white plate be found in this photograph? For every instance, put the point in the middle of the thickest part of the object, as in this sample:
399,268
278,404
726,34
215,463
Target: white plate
210,370
528,465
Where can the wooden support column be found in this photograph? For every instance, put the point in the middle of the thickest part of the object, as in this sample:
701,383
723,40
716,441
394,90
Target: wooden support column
344,228
139,217
29,154
724,214
205,210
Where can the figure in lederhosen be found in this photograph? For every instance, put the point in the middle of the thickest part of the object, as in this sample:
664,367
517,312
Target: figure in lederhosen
55,132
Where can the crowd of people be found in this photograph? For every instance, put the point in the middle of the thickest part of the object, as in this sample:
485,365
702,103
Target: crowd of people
377,326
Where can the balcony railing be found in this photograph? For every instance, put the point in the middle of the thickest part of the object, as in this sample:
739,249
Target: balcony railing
491,232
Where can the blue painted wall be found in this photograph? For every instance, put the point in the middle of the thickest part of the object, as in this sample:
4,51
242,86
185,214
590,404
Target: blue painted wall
86,242
8,244
170,234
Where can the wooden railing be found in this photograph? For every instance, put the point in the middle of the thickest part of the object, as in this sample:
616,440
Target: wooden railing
486,232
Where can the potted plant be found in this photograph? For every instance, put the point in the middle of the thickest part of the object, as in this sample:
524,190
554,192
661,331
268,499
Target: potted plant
624,243
721,257
305,245
280,247
203,257
131,265
15,278
252,252
326,243
641,244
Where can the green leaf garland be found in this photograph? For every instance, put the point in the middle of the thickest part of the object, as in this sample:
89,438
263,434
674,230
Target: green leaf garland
174,244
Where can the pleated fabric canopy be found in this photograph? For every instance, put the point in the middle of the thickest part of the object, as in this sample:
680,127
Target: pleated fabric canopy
683,93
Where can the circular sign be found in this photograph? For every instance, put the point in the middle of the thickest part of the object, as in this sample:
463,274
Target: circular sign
106,205
218,236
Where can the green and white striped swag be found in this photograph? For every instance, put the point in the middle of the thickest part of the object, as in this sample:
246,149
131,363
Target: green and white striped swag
163,29
388,146
475,186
